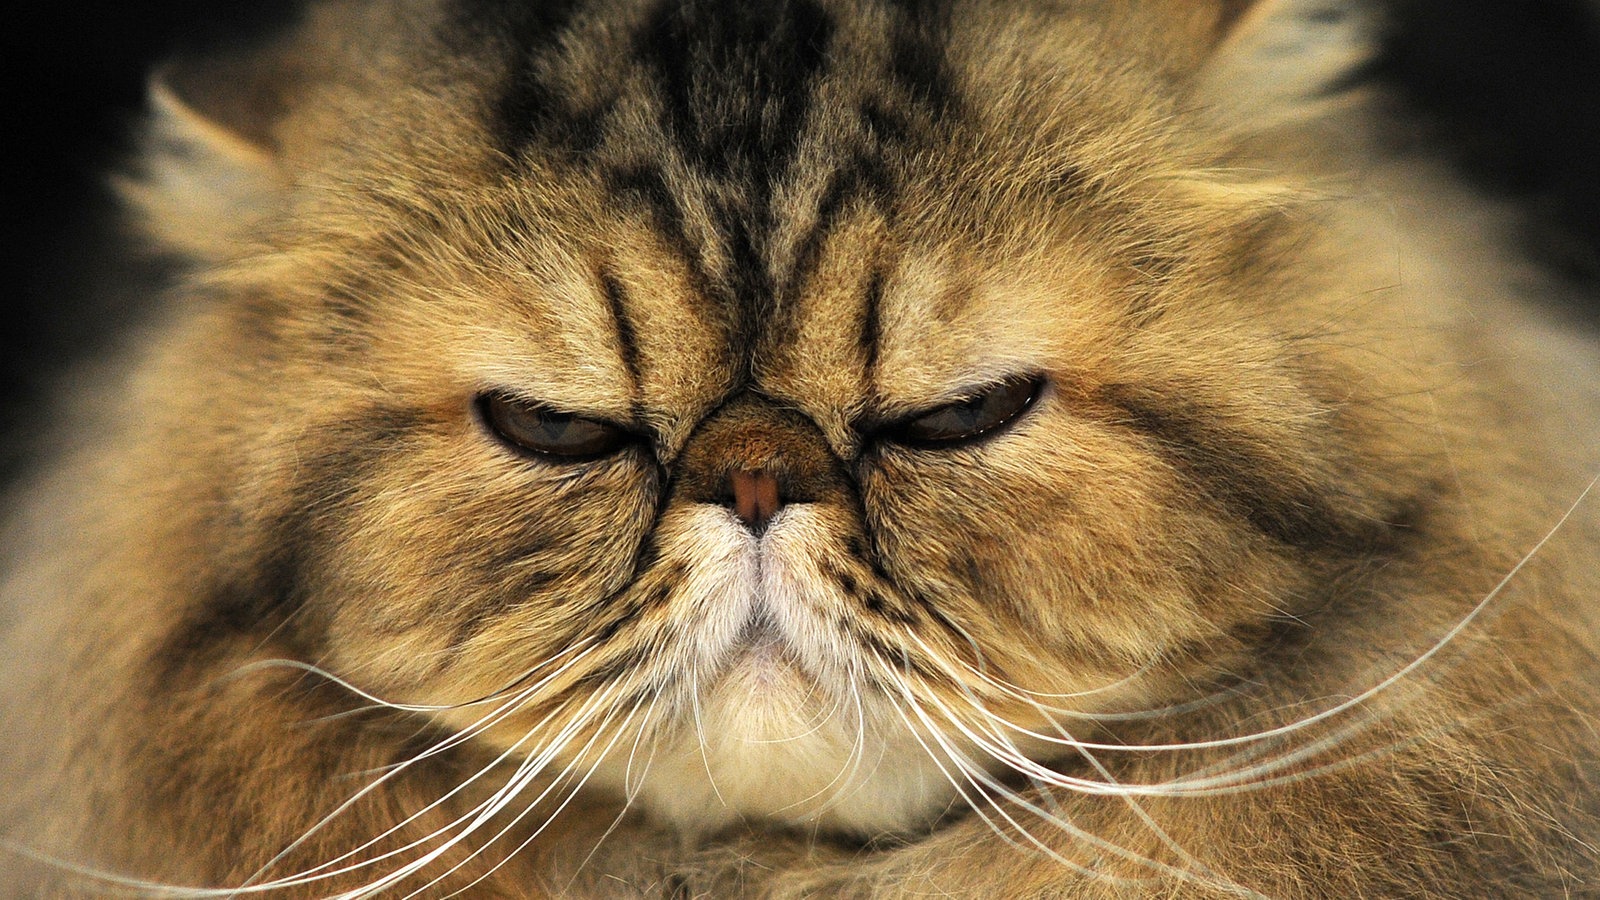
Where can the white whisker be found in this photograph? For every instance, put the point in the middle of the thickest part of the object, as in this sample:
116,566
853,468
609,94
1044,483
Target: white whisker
700,733
380,703
583,752
1001,745
516,702
470,822
630,789
1346,705
979,781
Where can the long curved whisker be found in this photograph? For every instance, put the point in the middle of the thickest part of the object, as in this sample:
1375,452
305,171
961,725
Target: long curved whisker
981,671
987,787
465,824
700,733
380,703
630,789
996,730
1358,699
471,821
390,772
999,745
572,793
847,770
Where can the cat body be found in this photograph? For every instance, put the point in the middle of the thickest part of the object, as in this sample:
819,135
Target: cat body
811,448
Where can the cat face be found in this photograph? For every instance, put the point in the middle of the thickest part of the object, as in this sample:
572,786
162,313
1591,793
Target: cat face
763,403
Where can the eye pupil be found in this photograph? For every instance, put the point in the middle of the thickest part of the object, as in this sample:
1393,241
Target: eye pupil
536,429
553,430
970,414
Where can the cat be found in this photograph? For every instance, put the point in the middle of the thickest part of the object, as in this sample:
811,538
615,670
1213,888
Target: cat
810,448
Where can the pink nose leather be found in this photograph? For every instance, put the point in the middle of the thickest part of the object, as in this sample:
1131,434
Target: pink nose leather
755,497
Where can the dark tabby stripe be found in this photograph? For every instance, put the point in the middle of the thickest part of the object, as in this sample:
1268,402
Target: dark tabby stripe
268,595
734,84
735,87
864,175
627,340
1254,487
871,329
645,185
918,61
736,79
527,110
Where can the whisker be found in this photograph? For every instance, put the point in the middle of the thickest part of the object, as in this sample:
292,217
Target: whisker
996,728
491,766
471,821
380,703
464,825
629,790
700,733
497,715
491,719
975,774
981,670
987,787
843,777
1353,702
517,819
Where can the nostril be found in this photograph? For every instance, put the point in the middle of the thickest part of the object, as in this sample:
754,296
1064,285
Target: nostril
756,498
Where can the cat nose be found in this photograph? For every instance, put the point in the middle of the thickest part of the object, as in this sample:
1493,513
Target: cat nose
756,498
753,458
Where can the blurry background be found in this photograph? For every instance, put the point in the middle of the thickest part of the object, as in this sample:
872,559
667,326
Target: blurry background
1509,90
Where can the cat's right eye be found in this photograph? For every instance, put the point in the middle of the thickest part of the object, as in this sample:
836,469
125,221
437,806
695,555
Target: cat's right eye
538,429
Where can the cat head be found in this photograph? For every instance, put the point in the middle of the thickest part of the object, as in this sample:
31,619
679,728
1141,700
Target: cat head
797,395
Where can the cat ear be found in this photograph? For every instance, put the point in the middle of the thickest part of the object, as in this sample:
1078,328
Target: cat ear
228,105
1211,21
1199,29
1266,60
211,165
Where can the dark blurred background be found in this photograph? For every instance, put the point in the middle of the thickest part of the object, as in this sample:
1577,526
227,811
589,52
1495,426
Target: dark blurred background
1509,90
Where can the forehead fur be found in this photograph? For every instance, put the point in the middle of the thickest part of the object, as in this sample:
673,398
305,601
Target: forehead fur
769,175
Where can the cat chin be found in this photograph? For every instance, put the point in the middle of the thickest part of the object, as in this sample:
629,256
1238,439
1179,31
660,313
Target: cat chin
774,725
764,746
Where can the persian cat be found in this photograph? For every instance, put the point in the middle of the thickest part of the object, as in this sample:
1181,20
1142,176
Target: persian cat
826,448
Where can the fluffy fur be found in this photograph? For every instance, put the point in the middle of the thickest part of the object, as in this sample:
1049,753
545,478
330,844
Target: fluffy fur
1281,586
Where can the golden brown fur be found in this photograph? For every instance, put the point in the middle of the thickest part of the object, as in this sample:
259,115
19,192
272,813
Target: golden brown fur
1282,586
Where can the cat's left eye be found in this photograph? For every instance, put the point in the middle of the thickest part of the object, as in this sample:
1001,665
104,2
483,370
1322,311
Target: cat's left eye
538,429
984,413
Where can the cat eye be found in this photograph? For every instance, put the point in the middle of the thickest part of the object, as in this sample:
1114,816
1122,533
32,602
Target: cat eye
986,412
538,429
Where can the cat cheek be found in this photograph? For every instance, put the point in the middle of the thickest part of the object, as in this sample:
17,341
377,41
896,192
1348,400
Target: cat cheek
454,571
1061,533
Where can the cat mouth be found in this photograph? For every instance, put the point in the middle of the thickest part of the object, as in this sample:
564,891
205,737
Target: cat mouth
761,657
759,636
757,627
